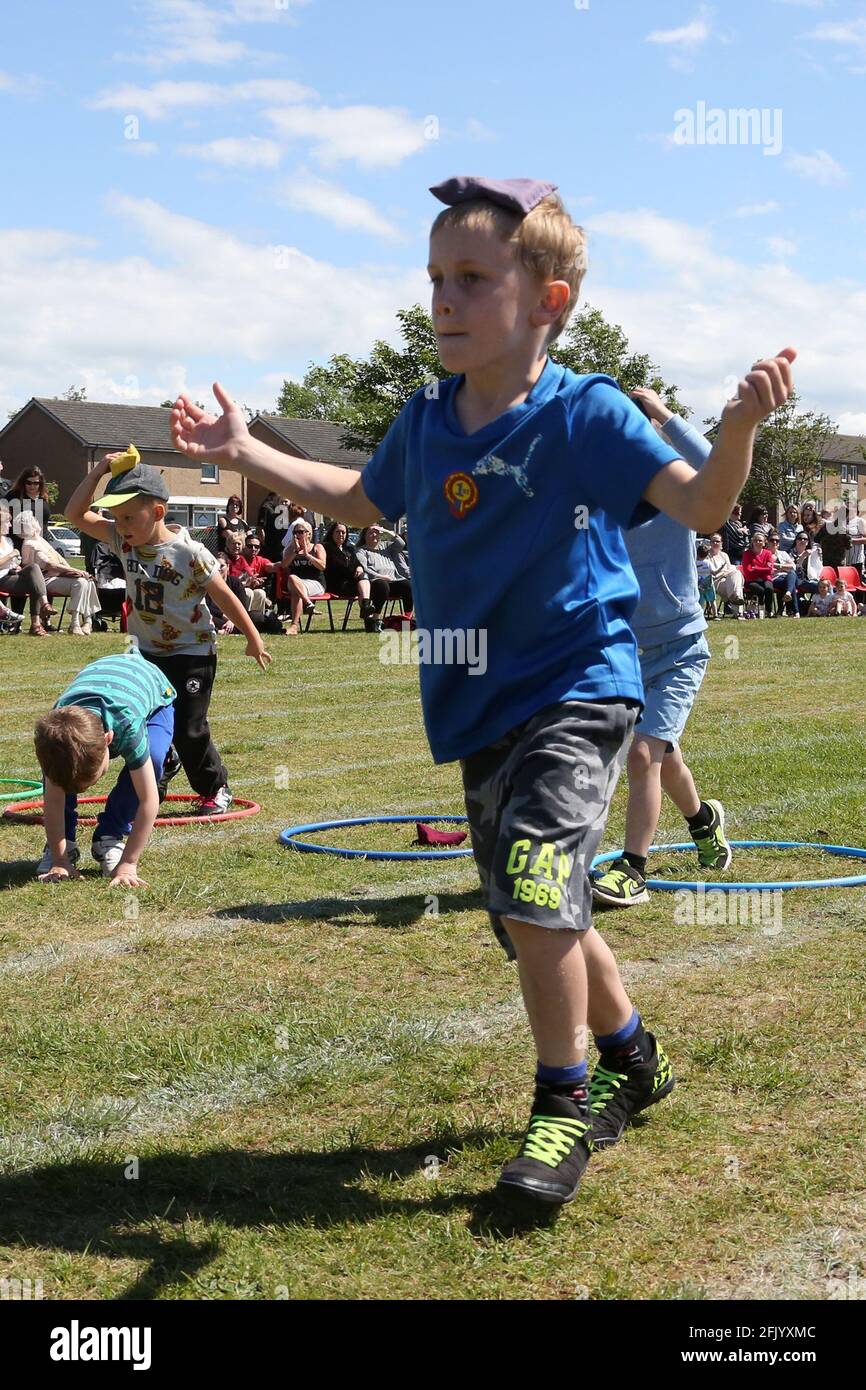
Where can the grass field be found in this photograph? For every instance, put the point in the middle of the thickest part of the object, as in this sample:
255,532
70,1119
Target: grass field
287,1076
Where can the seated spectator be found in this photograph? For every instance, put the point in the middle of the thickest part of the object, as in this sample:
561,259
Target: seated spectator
784,577
344,575
822,601
808,563
246,564
790,528
727,578
301,572
29,493
759,521
231,522
5,483
60,577
843,603
735,536
264,622
758,566
706,589
17,580
379,565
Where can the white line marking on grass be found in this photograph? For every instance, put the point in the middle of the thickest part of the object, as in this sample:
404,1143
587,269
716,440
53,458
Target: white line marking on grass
72,1133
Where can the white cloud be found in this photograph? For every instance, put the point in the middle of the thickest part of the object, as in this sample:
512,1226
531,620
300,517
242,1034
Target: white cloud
244,152
304,192
193,31
852,422
820,166
196,304
682,43
21,84
372,136
756,209
165,98
781,247
850,34
704,316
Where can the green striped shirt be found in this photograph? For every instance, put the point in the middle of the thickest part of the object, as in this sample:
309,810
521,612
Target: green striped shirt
124,691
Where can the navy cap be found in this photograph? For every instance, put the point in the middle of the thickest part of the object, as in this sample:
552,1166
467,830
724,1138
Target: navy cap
517,195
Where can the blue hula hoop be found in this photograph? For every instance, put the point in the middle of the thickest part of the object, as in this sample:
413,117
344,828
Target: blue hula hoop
287,838
673,886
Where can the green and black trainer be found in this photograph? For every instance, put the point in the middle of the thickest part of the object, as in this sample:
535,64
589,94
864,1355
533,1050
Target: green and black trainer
618,1093
714,852
553,1155
622,885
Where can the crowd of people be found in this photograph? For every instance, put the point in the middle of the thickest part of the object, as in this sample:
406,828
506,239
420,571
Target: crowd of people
280,564
277,567
810,565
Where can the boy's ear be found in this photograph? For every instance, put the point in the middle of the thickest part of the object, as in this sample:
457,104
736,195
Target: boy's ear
109,737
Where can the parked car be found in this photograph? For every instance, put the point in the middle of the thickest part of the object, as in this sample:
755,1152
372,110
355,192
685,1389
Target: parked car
65,540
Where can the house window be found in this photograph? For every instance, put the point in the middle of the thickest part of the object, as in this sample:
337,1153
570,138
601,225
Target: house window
210,473
790,472
849,472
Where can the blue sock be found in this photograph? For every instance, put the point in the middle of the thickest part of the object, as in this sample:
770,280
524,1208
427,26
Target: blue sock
617,1039
561,1076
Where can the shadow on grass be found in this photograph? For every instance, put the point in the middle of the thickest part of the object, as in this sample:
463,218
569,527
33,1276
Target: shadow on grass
404,912
90,1206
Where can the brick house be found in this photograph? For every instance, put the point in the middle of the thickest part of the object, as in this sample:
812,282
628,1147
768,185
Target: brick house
67,438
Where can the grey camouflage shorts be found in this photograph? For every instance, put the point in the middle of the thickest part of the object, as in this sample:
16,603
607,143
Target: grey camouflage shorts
537,801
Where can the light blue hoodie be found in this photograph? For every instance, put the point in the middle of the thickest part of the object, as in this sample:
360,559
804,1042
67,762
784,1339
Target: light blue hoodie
662,553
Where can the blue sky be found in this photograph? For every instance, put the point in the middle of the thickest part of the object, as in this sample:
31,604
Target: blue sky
233,188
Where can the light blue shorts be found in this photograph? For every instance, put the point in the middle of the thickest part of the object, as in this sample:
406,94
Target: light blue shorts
672,674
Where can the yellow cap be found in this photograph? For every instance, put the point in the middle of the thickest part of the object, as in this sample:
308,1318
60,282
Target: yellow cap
126,461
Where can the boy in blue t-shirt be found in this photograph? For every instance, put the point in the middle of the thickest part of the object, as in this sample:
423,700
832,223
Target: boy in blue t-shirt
516,477
669,626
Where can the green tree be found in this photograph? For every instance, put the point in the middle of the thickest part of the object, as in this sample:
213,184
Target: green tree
365,394
74,393
591,344
789,447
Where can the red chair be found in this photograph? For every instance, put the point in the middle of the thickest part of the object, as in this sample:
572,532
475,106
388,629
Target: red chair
828,572
853,582
321,598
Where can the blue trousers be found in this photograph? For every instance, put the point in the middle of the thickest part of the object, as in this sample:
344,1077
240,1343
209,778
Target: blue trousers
122,805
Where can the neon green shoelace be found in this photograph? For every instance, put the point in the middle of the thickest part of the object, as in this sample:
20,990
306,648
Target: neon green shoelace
550,1138
602,1087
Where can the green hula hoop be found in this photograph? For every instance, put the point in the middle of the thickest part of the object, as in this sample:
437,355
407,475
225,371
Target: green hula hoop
25,785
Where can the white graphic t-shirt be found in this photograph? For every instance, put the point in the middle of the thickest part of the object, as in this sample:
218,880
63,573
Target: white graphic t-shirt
166,586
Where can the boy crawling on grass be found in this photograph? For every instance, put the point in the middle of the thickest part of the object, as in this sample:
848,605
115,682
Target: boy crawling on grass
516,477
117,707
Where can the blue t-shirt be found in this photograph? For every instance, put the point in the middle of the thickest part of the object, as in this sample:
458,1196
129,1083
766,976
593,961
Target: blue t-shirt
515,541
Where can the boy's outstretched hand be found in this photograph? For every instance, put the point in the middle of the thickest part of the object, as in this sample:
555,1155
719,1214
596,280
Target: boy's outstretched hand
218,439
767,386
256,649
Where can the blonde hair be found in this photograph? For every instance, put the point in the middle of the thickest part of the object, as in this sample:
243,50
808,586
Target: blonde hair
70,747
548,243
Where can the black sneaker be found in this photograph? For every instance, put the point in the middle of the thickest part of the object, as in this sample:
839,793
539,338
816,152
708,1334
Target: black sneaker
621,885
615,1097
170,768
553,1155
714,852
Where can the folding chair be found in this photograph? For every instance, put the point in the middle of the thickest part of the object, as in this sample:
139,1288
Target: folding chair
321,598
